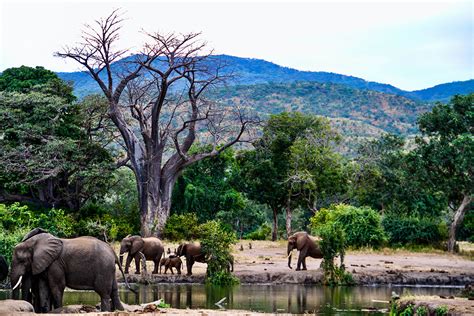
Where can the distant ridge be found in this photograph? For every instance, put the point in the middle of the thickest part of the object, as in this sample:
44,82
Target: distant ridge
249,71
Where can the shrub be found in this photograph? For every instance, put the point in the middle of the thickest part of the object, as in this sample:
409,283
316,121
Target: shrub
466,231
215,243
362,225
181,227
414,230
264,232
102,228
9,239
333,244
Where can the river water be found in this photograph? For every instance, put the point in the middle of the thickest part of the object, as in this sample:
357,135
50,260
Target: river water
356,300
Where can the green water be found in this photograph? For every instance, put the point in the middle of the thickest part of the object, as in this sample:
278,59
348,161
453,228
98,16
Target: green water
264,298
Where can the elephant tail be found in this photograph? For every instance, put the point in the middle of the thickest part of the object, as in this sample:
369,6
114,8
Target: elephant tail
123,274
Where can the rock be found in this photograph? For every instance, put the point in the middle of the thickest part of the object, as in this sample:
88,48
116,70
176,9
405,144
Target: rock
15,306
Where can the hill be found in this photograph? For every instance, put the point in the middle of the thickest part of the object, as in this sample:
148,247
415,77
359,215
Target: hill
368,112
249,71
444,92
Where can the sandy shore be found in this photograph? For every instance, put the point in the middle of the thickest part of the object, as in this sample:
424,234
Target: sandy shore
266,262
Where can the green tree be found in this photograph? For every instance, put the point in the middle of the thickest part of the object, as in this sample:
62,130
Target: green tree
25,79
288,161
444,156
385,178
46,155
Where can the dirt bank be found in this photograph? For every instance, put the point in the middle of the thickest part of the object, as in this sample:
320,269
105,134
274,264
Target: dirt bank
435,305
266,262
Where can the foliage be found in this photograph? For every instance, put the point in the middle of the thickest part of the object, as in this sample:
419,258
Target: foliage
443,156
333,244
9,239
272,173
182,227
466,231
362,225
47,156
102,228
422,311
16,220
441,310
414,230
386,179
215,242
263,232
26,79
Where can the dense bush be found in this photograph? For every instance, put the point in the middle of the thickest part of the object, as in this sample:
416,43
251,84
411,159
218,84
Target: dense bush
414,230
182,227
16,220
466,231
216,241
362,225
264,232
334,244
9,239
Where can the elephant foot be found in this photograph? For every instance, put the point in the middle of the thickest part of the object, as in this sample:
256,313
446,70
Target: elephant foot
154,272
304,269
189,274
137,272
297,269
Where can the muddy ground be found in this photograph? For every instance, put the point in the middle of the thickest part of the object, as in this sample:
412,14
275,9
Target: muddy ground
266,262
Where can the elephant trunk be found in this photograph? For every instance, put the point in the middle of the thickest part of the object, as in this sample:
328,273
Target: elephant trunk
290,249
121,259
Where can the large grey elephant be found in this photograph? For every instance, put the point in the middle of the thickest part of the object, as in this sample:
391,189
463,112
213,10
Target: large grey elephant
307,247
151,247
3,268
83,263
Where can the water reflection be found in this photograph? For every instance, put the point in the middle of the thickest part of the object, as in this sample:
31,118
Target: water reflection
265,298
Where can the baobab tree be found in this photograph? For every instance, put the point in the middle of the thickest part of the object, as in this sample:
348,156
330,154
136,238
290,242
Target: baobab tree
157,100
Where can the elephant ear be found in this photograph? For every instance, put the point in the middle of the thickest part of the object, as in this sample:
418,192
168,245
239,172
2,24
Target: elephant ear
46,250
137,245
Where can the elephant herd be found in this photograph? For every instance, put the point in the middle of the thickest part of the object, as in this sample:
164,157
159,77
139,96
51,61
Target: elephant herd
43,265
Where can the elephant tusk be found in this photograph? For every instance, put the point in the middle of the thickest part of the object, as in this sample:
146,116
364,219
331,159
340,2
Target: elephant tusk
122,255
289,254
17,283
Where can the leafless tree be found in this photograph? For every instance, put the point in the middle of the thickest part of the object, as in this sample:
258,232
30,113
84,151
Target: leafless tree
157,100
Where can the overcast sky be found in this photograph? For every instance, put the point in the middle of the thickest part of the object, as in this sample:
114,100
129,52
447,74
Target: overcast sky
412,45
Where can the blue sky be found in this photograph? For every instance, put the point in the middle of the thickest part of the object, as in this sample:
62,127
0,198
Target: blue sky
412,45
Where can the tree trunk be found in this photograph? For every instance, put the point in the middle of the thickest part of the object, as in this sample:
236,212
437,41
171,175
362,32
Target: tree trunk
288,219
155,202
457,220
275,225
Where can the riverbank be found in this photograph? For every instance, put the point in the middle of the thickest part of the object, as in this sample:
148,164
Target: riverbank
435,305
265,262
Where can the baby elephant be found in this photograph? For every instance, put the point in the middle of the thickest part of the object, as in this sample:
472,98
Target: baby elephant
173,261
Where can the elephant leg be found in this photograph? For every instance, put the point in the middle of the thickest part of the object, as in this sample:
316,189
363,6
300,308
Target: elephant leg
56,284
116,304
127,263
189,265
137,264
304,263
300,259
171,269
179,268
105,303
157,263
